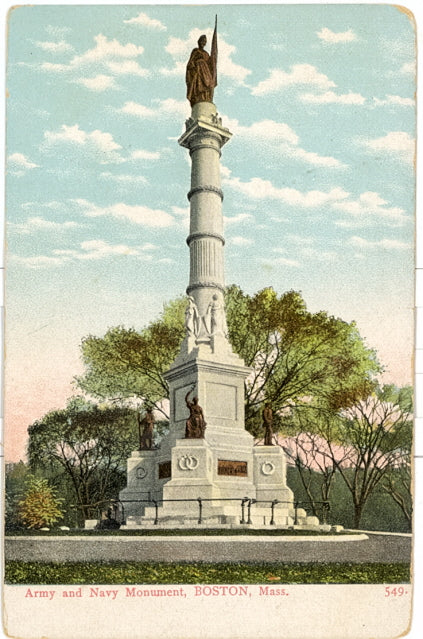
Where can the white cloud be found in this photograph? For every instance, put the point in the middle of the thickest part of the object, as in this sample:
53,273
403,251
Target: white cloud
123,178
142,215
141,154
98,143
19,164
368,209
54,47
237,219
40,224
278,137
98,249
139,110
282,261
98,83
88,250
55,68
408,67
300,74
145,21
127,67
385,243
180,50
299,239
330,97
318,255
116,58
397,144
57,32
37,261
238,240
259,189
331,37
168,108
106,50
395,100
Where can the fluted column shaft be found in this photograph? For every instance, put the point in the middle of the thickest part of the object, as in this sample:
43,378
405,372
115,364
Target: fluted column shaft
204,138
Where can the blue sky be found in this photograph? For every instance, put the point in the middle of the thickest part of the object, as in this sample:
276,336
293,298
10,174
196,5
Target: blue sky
318,177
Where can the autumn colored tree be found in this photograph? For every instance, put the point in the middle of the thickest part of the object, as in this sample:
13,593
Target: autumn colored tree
40,506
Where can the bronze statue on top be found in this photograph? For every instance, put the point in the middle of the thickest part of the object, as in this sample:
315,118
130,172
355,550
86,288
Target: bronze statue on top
195,424
268,425
201,73
146,436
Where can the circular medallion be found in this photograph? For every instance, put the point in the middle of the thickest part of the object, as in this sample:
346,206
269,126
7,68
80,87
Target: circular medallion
267,468
141,473
188,462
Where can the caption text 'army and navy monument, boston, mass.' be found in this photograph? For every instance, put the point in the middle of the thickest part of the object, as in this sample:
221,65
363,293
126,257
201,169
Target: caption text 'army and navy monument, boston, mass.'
207,469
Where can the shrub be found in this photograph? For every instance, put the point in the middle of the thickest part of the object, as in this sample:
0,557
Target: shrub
40,506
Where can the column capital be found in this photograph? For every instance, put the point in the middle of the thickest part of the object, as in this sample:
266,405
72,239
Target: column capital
204,126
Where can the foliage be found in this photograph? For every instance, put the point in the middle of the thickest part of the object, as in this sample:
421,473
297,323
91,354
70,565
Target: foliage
126,364
381,513
365,443
16,475
89,444
273,574
294,354
40,506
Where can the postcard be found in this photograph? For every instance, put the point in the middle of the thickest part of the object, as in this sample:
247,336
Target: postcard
209,336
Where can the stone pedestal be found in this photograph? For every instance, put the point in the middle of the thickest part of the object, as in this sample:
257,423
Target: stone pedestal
142,484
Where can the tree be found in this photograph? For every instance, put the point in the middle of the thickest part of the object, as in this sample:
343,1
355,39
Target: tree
126,364
377,434
397,484
294,354
16,477
40,506
365,442
89,444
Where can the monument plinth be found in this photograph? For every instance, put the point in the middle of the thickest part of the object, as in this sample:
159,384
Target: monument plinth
207,457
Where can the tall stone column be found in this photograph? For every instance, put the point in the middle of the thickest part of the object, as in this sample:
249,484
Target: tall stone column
204,137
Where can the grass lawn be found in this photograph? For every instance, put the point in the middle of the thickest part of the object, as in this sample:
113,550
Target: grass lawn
18,572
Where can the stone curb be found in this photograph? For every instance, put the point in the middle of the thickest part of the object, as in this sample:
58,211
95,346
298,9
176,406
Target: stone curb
192,538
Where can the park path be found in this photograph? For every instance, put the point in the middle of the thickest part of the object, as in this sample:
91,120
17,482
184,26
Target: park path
372,547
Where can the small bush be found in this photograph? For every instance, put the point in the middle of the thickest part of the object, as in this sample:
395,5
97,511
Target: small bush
40,507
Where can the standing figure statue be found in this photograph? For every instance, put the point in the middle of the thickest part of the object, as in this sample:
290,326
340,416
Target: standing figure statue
268,425
192,318
215,320
147,424
195,424
201,73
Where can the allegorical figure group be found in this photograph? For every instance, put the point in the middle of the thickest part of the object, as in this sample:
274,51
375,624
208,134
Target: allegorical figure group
212,323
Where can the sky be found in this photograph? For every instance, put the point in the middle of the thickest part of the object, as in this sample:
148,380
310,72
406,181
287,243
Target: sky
318,178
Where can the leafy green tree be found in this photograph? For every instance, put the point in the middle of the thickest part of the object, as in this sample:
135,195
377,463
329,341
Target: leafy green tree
88,444
294,354
16,476
40,506
126,364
